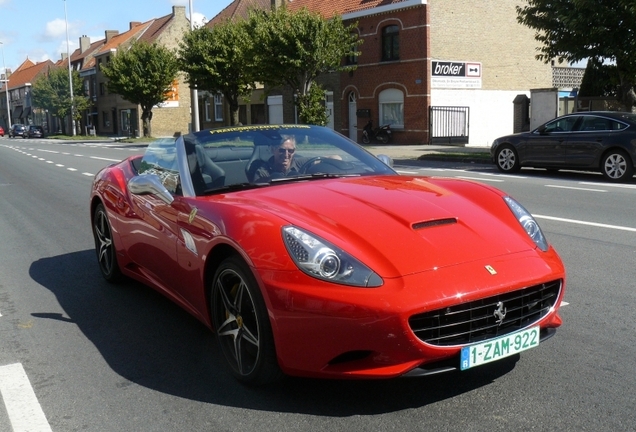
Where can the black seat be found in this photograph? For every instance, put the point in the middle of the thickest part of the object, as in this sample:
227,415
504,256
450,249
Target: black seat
213,175
259,158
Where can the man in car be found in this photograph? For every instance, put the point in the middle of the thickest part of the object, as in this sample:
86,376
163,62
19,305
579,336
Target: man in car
283,163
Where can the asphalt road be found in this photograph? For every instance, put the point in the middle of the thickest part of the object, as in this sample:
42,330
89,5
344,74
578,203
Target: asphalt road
79,354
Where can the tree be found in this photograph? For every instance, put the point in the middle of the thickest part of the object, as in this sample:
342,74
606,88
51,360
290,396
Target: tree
295,48
143,75
599,80
51,92
216,59
574,30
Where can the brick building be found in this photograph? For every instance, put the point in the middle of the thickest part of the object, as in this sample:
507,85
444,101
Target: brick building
447,71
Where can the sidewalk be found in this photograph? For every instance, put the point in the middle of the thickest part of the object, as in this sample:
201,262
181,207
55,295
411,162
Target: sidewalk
434,152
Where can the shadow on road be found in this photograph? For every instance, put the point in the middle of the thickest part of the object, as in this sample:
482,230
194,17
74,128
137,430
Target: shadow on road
151,342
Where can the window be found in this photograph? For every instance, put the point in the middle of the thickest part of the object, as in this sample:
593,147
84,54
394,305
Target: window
218,107
353,58
206,109
392,108
565,124
390,43
102,89
105,119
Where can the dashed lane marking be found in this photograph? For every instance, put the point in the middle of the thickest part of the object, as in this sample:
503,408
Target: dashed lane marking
23,408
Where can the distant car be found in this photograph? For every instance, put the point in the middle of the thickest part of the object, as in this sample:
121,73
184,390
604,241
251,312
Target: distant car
597,140
18,130
1,131
35,132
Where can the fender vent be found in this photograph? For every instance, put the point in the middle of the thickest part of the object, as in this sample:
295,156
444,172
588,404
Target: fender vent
432,223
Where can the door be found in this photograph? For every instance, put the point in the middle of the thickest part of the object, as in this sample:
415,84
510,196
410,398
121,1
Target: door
329,109
545,146
586,144
353,118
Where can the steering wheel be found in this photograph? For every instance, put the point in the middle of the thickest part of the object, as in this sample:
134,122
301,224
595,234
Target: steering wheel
312,161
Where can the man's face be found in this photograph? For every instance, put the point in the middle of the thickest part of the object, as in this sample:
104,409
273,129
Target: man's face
283,155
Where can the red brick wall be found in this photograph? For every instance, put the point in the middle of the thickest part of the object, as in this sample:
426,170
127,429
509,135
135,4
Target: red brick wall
410,74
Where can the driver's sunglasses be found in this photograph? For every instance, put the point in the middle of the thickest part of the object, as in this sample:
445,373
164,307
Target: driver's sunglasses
284,150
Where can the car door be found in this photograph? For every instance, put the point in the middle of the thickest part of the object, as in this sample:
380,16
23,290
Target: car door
586,144
545,146
152,231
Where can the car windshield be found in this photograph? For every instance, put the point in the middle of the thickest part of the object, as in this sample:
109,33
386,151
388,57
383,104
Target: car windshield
244,157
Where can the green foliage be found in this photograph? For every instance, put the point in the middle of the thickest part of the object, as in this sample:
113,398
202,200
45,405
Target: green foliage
51,92
311,106
216,59
574,30
295,48
143,75
599,80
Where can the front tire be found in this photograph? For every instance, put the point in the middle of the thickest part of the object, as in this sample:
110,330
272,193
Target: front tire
105,246
617,166
507,159
365,138
241,321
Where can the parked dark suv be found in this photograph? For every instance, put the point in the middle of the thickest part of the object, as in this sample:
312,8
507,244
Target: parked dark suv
18,130
35,132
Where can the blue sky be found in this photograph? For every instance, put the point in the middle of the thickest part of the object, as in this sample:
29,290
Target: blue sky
36,28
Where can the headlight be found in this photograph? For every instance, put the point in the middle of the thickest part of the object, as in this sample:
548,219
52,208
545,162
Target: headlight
322,260
528,223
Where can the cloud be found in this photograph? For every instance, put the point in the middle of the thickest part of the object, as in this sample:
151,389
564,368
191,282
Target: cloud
55,28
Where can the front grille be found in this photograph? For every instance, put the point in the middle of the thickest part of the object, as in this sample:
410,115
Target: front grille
478,320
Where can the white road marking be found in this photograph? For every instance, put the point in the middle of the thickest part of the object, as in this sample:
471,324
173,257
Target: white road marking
23,408
575,188
579,222
105,159
610,185
72,169
480,179
88,174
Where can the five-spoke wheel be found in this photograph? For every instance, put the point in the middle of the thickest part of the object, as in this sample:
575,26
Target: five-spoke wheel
242,324
104,246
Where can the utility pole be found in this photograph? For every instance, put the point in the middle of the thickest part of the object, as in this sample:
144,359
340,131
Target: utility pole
194,99
70,73
6,89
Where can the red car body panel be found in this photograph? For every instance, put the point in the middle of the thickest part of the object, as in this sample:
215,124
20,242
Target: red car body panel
374,218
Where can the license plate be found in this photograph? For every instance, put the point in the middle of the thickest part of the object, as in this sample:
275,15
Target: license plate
495,349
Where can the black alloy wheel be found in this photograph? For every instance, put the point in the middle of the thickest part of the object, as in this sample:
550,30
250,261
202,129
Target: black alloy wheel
507,159
617,166
240,318
105,246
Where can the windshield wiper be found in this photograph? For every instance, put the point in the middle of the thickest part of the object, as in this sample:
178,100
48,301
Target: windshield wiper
234,187
317,176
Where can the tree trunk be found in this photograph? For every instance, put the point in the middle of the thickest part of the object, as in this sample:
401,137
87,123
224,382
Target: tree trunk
146,119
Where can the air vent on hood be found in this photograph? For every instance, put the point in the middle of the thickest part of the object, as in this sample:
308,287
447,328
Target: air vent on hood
435,222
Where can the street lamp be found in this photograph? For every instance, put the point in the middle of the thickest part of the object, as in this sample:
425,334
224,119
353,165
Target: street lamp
195,92
70,74
6,87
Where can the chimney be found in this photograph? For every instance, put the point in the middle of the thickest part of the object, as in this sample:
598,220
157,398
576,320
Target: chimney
179,10
64,56
278,4
110,34
85,43
133,24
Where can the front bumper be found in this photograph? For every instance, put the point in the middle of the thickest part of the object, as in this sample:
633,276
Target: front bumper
324,330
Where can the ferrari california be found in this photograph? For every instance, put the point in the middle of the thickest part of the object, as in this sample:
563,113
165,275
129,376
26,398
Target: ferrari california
309,256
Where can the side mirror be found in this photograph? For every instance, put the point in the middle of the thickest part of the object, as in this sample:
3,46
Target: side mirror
149,184
387,160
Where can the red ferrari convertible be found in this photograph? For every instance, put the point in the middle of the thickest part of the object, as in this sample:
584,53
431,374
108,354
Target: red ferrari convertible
309,256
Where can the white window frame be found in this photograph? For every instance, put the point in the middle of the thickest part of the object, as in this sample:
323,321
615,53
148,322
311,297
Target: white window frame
391,108
218,107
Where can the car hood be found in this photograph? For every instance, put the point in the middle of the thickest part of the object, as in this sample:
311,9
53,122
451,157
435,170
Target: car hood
399,225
